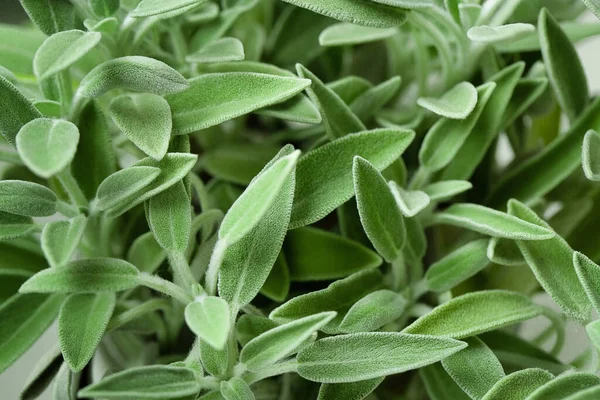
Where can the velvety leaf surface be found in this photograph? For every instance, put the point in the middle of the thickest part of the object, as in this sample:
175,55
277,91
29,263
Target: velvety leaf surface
208,317
518,385
457,103
60,239
26,198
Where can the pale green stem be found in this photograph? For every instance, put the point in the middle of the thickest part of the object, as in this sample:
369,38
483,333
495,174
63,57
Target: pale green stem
164,286
72,187
181,269
212,273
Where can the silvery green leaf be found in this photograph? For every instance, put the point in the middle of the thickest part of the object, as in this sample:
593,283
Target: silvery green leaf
338,119
135,73
410,202
315,254
105,8
457,266
564,386
504,252
350,358
14,226
297,109
379,215
145,253
492,222
62,50
204,13
439,385
373,311
475,369
277,284
374,99
215,98
148,8
42,374
214,361
594,6
474,313
277,343
350,87
64,387
407,4
149,382
48,108
60,239
575,30
496,34
47,146
27,199
586,394
236,389
208,317
356,12
348,391
445,138
170,218
456,103
50,16
237,163
445,190
552,263
221,50
82,321
593,332
324,176
107,25
250,326
590,155
525,95
124,184
563,66
84,276
145,119
16,110
518,385
588,273
347,34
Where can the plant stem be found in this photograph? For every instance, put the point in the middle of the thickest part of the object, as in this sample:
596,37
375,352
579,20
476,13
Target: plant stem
271,370
164,286
72,187
181,269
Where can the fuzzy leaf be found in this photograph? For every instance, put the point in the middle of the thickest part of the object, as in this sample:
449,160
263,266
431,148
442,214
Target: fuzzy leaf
61,238
361,356
348,391
14,226
457,103
297,109
279,342
445,190
208,317
586,394
496,34
346,34
236,389
16,110
373,100
564,386
170,218
406,4
148,8
237,163
588,273
379,214
474,313
504,252
373,311
27,199
145,253
518,385
590,155
84,276
215,98
277,284
47,146
410,203
439,385
149,382
105,8
50,16
62,50
122,185
145,119
221,50
81,324
135,73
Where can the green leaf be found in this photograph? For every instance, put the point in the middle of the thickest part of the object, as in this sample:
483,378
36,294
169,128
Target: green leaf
445,138
552,263
474,313
84,276
277,343
593,332
208,317
145,119
457,266
588,273
27,199
81,324
277,284
14,226
135,73
64,387
355,11
214,98
105,8
504,252
590,155
123,184
379,214
324,176
297,109
564,386
346,34
149,382
518,385
594,6
338,119
497,34
47,146
563,66
236,389
527,91
410,203
314,254
62,50
373,311
439,385
24,318
221,50
42,374
373,100
350,358
16,110
148,8
445,190
146,254
50,16
475,369
586,394
491,222
170,218
250,326
457,103
348,391
237,163
61,238
406,4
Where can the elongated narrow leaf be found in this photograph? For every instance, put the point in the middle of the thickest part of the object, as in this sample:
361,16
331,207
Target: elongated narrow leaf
42,374
215,98
410,203
61,238
84,276
314,254
238,163
136,73
170,218
379,215
62,50
564,386
47,146
439,385
586,394
297,109
277,285
348,391
527,91
146,254
148,8
14,226
374,99
123,184
518,385
104,8
16,112
208,317
351,358
50,16
373,311
346,34
324,176
355,11
445,190
150,382
494,223
225,49
81,324
26,198
588,273
496,34
590,155
475,369
277,343
457,266
474,313
457,103
236,389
